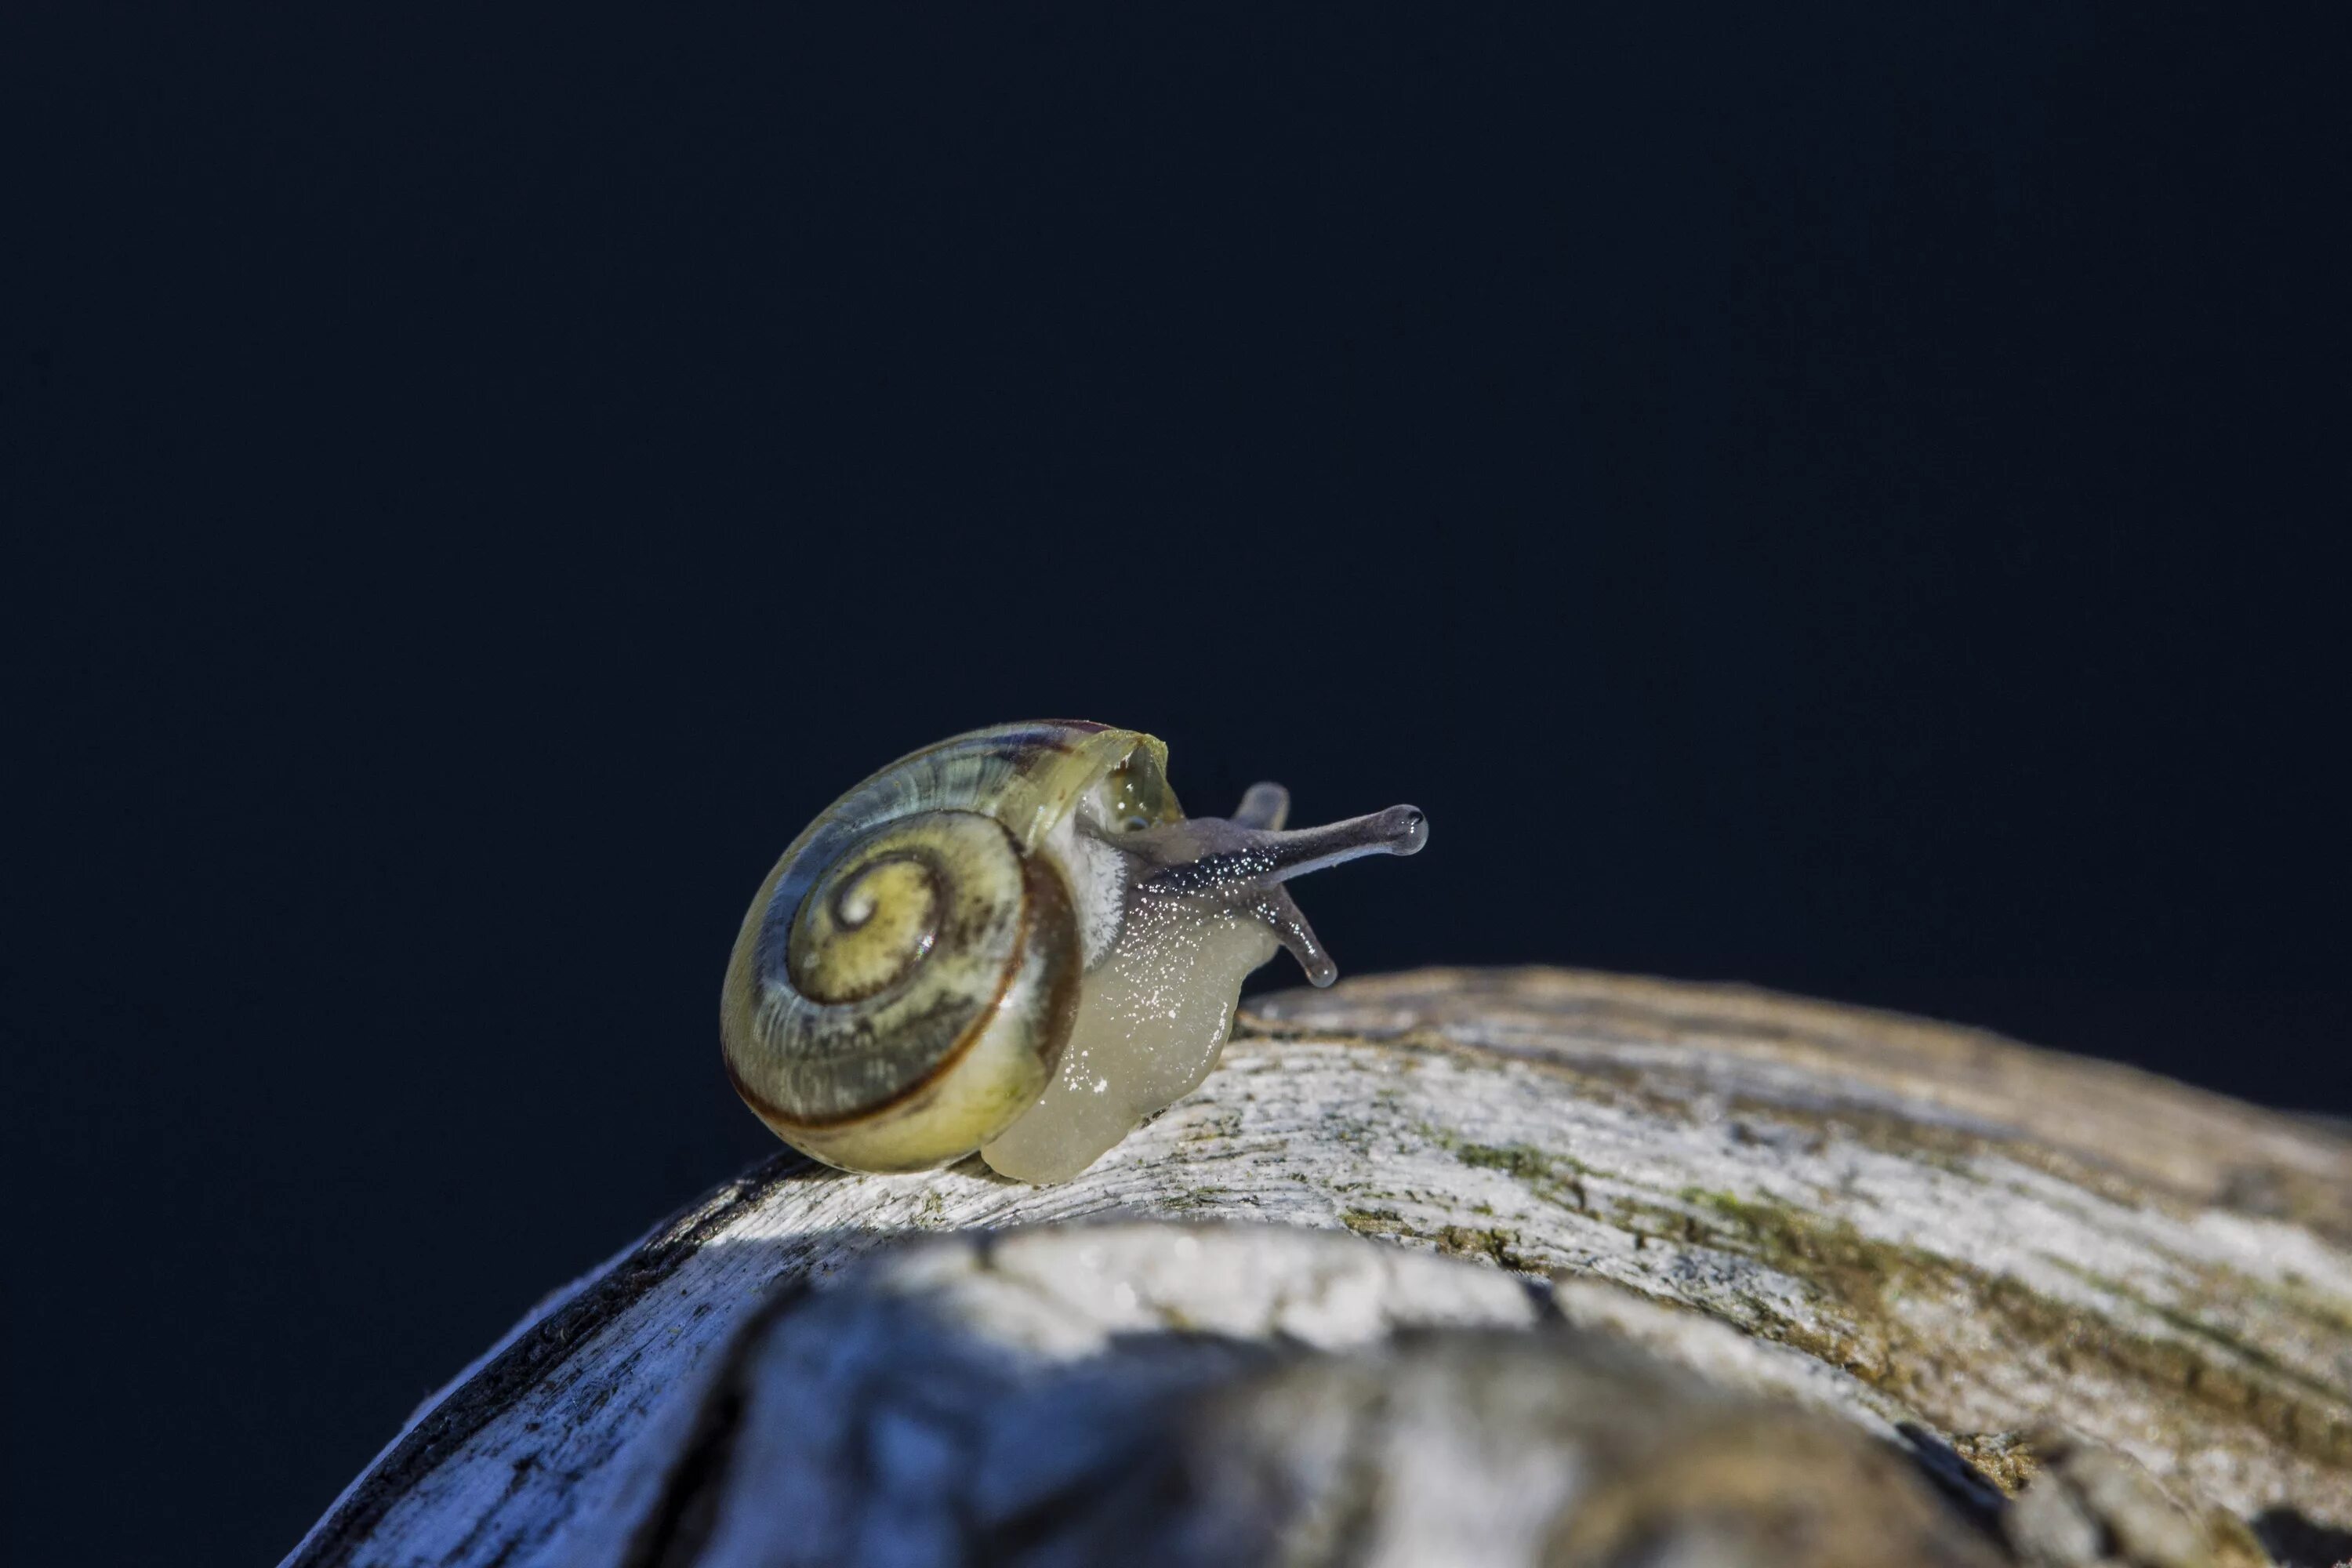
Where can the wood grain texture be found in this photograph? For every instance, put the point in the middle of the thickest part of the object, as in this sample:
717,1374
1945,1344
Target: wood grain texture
1963,1270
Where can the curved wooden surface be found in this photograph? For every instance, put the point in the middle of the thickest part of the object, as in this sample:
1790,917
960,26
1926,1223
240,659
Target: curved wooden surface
1967,1271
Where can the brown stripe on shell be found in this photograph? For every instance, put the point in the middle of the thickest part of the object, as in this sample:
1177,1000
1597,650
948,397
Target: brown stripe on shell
1013,742
1043,890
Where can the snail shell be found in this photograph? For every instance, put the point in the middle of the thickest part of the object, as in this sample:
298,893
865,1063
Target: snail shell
1014,942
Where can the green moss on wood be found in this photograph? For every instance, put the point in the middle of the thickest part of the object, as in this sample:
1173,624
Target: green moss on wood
1500,1247
1863,1282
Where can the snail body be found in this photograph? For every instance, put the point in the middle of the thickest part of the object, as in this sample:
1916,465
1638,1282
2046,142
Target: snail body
1012,941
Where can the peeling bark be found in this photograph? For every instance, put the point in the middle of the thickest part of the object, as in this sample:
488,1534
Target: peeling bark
1639,1273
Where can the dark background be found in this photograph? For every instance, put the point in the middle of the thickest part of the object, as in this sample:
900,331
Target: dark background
1849,497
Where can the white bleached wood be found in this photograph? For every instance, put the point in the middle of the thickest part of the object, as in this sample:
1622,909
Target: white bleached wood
1945,1243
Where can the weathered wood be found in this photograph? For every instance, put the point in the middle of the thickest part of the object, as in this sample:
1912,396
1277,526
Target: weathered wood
1883,1275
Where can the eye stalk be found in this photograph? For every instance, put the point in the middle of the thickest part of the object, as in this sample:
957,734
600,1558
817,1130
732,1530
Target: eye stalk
1239,863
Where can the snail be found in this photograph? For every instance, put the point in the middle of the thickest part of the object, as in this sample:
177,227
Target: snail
1014,941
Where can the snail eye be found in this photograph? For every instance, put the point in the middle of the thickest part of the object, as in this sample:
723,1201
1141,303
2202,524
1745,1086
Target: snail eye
1133,824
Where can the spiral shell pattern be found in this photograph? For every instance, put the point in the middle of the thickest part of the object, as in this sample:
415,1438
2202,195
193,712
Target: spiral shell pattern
906,978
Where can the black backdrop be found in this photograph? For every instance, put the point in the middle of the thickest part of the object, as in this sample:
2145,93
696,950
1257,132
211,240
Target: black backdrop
1848,498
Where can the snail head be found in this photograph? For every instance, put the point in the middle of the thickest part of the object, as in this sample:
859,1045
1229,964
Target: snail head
1241,863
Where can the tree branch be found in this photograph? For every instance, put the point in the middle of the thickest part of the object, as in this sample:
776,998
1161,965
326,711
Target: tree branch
1696,1264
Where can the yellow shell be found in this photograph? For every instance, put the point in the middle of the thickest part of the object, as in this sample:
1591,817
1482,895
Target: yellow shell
909,972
